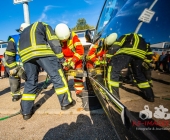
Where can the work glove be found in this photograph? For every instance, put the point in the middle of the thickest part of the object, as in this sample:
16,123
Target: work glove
103,62
13,72
96,63
69,63
21,73
153,66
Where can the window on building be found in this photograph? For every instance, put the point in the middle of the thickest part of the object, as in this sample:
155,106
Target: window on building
4,46
80,34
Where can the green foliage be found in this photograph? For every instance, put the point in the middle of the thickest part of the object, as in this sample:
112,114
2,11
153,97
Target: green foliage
82,25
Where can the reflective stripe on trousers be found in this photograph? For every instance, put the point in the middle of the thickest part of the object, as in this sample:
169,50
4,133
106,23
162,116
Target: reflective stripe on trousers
53,69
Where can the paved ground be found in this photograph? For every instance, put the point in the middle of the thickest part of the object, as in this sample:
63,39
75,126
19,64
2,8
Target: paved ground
133,100
49,122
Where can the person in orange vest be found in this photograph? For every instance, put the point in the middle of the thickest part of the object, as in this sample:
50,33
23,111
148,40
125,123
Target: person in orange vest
155,58
96,55
73,52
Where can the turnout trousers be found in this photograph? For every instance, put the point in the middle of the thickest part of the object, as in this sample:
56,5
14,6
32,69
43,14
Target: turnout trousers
53,68
121,61
15,85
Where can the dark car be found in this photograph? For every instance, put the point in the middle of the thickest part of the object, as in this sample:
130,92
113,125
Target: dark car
132,116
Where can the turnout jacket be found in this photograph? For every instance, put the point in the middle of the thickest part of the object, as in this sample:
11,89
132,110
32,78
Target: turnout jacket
73,48
96,51
132,44
39,40
12,57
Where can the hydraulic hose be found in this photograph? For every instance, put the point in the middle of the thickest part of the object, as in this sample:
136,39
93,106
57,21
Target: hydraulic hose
37,93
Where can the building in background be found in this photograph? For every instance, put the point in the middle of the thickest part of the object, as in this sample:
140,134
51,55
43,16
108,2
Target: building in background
161,47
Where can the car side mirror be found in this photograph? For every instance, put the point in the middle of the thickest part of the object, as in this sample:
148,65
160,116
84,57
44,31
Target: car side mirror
88,36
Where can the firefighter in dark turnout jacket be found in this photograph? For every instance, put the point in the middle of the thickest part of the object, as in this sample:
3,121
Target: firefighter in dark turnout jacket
133,50
39,47
12,63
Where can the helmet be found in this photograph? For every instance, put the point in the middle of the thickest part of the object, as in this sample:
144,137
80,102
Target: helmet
62,31
110,39
140,35
22,27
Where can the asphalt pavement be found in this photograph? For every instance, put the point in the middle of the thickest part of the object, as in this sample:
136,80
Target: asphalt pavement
49,122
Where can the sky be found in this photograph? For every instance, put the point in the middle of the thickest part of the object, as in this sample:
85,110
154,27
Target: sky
50,11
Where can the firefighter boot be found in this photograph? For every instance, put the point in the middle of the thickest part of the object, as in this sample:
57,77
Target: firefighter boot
148,94
16,98
69,105
27,116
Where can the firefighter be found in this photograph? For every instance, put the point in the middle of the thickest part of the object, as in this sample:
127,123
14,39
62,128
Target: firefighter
133,50
73,52
39,47
13,64
96,54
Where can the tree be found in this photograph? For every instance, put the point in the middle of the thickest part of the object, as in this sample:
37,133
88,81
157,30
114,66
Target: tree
82,25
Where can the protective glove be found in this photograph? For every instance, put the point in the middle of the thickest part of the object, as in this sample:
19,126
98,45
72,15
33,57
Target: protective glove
13,72
21,73
152,65
103,62
69,63
96,63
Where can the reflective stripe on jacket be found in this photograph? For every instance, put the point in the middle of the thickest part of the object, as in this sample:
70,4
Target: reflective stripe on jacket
73,48
13,57
96,52
38,40
132,44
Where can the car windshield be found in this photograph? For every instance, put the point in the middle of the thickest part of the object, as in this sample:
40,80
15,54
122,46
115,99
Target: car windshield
126,19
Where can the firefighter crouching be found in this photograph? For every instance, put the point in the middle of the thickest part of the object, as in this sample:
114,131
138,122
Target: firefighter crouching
73,52
133,50
39,47
14,66
96,54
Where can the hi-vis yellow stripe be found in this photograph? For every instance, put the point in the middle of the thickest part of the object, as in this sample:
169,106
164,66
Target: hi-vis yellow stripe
50,36
65,88
78,55
144,85
36,53
9,53
32,34
11,65
132,51
28,97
